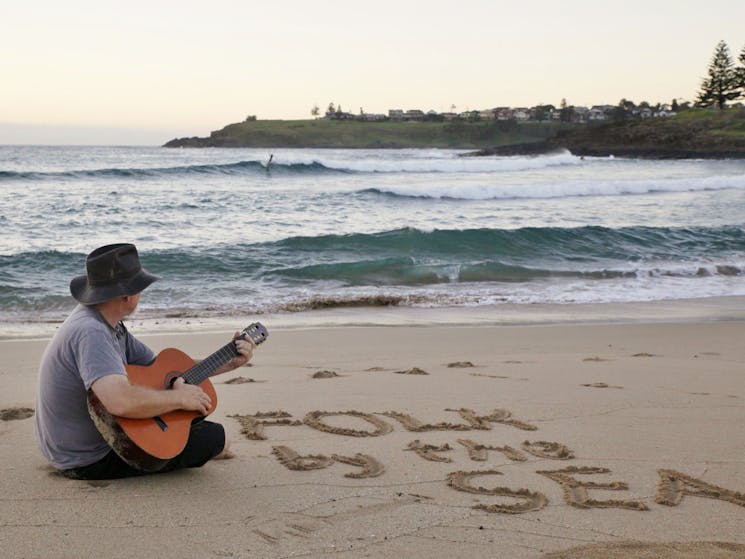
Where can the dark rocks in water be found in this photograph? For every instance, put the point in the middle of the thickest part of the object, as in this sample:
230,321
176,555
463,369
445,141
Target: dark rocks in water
582,150
653,153
193,142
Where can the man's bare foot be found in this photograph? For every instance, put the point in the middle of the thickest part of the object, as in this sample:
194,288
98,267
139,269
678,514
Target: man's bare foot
225,455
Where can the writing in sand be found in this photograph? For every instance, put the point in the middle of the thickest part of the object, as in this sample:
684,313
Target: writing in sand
672,488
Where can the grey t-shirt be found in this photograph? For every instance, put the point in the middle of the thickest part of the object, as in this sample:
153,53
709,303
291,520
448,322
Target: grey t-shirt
84,349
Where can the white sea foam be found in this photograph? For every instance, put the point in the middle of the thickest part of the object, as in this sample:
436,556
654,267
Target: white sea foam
459,165
560,188
423,161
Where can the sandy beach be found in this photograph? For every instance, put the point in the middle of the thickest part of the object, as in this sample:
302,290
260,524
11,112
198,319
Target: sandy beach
423,440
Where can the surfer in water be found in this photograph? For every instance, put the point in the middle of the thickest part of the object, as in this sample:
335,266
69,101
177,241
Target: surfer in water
269,163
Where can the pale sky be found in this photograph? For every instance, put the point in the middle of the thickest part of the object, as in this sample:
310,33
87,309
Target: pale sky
142,72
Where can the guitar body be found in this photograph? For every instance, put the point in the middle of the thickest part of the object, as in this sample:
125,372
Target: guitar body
147,444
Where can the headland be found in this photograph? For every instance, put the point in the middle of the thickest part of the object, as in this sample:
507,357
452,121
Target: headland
695,133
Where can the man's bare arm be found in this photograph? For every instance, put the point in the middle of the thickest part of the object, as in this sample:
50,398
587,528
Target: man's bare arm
124,399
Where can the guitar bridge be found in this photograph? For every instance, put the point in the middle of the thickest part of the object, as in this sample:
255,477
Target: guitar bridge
162,424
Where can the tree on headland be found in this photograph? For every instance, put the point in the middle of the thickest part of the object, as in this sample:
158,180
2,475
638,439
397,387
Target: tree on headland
542,112
315,111
566,114
721,85
741,72
623,111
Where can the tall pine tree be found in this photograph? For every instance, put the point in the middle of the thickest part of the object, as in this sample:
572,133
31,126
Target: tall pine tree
741,72
722,83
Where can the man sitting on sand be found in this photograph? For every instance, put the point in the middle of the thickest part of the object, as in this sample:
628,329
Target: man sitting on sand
89,352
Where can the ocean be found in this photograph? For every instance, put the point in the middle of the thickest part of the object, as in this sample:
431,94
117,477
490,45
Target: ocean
320,229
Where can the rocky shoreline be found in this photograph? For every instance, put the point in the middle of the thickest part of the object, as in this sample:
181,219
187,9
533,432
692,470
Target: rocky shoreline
636,152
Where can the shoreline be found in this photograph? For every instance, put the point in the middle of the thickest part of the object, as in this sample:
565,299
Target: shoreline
552,147
709,309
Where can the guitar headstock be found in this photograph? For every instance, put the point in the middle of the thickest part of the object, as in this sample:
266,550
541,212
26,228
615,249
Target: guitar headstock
256,331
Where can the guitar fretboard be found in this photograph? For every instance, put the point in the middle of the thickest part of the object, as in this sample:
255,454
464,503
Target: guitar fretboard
207,367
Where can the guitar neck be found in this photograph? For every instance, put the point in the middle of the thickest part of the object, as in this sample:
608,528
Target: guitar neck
211,364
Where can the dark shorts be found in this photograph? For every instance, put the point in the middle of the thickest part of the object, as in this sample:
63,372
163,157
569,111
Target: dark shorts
206,440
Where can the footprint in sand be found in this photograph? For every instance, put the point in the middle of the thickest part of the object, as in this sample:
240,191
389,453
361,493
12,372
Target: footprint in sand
707,353
412,371
10,414
241,380
325,374
487,376
287,526
595,359
460,365
601,385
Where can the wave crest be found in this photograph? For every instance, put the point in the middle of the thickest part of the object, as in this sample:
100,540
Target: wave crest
237,168
557,189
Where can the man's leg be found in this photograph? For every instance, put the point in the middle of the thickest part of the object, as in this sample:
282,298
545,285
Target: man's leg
109,467
207,441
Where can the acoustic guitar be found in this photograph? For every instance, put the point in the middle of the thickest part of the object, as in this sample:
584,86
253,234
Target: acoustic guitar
147,444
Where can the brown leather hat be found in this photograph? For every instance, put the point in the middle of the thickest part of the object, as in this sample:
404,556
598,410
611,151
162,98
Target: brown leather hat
113,271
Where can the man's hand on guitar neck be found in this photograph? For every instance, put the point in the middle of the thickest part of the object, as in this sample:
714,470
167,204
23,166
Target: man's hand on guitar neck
245,348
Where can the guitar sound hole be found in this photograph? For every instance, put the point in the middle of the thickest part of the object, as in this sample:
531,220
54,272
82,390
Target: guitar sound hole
170,378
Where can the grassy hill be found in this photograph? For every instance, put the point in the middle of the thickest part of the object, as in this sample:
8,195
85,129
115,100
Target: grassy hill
354,134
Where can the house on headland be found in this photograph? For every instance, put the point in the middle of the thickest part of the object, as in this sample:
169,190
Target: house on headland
540,113
414,114
396,114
